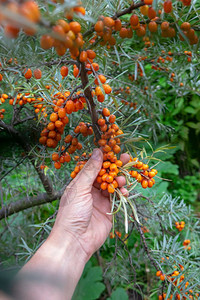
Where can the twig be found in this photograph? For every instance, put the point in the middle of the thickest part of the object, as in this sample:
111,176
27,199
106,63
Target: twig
90,102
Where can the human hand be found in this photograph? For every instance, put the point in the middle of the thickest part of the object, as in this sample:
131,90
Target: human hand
82,214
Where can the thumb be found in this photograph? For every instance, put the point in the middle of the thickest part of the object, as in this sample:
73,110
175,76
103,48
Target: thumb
88,174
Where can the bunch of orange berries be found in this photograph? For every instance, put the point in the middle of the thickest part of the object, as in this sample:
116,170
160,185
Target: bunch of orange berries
180,225
64,36
2,111
27,10
110,146
28,73
177,279
186,244
63,106
145,176
118,233
73,144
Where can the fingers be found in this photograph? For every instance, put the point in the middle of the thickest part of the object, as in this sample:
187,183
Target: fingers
88,174
125,157
121,180
124,192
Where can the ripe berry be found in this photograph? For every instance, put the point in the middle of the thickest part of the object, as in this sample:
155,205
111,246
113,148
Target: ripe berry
134,20
37,73
167,6
64,71
106,112
57,165
28,74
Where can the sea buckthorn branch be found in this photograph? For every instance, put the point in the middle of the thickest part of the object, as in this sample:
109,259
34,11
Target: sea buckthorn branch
152,260
128,10
117,15
29,202
90,102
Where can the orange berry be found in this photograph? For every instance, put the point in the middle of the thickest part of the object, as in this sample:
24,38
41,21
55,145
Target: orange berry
28,74
162,277
116,149
68,138
73,174
101,122
61,112
53,117
151,174
51,126
109,22
134,20
43,140
106,112
58,124
102,142
98,27
99,179
75,27
106,164
134,174
91,54
104,186
139,177
113,168
64,71
112,118
148,2
144,183
57,165
69,107
37,73
152,26
55,156
111,189
151,13
46,42
118,25
102,172
83,56
158,273
109,178
67,157
167,6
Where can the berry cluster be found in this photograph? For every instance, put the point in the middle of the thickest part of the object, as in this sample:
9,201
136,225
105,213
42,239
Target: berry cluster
180,225
176,279
64,36
110,147
145,175
26,11
63,105
186,244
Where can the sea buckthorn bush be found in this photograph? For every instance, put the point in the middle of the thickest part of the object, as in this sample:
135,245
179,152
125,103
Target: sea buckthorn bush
76,76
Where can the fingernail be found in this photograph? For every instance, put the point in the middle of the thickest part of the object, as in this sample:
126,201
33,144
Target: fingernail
96,154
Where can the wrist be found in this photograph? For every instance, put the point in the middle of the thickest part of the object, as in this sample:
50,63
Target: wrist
59,257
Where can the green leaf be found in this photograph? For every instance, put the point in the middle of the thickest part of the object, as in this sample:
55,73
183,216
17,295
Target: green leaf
118,294
193,125
190,110
90,286
168,167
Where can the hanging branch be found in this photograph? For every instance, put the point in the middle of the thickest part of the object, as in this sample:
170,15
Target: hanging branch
90,102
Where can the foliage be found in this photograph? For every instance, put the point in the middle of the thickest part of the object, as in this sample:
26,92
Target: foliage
152,90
